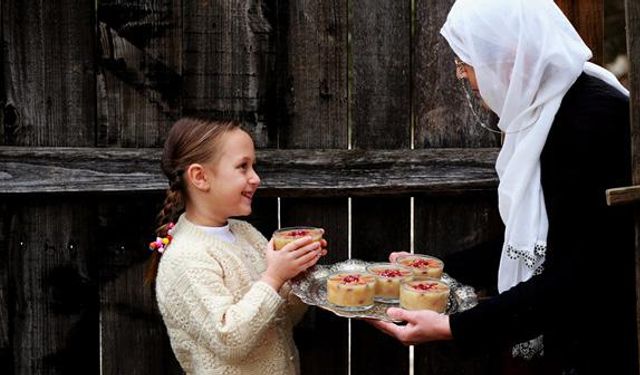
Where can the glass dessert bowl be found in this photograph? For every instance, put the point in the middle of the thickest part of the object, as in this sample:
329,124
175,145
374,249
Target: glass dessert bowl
351,291
283,236
422,265
424,293
388,278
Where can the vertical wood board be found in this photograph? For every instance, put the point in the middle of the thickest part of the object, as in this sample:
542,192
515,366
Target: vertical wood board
379,227
444,226
321,337
139,77
587,16
48,73
227,57
6,290
134,339
317,75
54,316
446,114
381,55
633,51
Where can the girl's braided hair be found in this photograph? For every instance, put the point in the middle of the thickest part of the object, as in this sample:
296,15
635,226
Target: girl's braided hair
190,140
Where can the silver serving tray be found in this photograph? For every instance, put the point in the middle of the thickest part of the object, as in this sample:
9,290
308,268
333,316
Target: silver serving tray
311,288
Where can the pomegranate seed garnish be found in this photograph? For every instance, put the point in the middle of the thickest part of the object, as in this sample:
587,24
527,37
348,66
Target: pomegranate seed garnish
425,286
351,279
390,273
422,263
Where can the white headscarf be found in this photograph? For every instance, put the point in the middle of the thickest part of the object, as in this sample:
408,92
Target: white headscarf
526,56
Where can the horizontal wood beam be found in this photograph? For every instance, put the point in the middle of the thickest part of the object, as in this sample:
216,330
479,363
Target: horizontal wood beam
284,172
623,195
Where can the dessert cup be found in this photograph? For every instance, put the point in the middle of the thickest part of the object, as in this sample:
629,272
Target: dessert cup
388,278
422,265
283,236
351,291
424,293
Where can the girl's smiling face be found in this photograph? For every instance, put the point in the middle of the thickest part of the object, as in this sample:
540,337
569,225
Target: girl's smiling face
233,178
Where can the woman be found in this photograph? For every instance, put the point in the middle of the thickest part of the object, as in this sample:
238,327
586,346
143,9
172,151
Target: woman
566,263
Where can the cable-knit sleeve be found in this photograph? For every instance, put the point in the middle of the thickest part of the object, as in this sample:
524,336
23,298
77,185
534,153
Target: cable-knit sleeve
295,307
205,309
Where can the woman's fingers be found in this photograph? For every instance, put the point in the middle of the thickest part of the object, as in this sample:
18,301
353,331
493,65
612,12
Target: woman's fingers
393,256
390,329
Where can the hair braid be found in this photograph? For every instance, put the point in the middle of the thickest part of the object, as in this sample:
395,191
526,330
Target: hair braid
171,209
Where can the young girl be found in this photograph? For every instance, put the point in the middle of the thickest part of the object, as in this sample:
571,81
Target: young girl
221,288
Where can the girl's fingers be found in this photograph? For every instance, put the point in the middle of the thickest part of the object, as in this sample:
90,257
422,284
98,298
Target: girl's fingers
308,259
305,249
293,245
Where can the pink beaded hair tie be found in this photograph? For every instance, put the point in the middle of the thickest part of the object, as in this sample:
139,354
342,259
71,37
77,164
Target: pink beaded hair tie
161,243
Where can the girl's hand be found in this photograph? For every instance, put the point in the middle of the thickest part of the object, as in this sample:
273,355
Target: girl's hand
289,261
393,256
323,245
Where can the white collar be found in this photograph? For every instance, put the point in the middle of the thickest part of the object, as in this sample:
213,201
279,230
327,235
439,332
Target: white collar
223,233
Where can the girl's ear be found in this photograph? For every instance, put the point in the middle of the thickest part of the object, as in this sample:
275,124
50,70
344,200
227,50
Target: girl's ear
197,177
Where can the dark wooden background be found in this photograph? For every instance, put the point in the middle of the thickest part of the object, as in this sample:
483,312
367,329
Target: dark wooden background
361,129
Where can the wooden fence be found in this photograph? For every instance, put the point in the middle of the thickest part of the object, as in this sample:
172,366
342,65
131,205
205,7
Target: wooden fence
361,128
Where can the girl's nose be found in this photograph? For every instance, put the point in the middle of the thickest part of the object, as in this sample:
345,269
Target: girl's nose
254,179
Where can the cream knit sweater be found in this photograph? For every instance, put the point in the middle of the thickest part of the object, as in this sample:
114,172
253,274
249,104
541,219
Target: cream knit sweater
220,318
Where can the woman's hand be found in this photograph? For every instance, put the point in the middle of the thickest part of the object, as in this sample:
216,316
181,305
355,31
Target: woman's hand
393,256
422,326
292,259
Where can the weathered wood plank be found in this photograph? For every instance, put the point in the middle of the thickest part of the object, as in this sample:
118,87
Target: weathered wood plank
447,115
623,195
443,116
49,83
315,93
6,292
134,340
444,226
587,16
381,50
633,51
321,337
380,226
313,86
139,71
284,172
317,76
227,59
54,315
381,114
